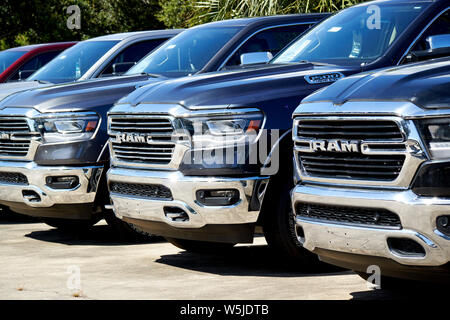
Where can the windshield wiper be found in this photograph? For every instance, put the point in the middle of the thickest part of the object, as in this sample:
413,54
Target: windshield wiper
43,82
152,75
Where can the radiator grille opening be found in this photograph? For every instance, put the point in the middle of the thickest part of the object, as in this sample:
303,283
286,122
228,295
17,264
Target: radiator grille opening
152,191
13,178
156,132
352,165
15,137
350,129
349,215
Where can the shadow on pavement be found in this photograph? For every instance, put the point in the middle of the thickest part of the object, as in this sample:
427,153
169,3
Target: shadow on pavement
98,235
9,217
256,260
407,291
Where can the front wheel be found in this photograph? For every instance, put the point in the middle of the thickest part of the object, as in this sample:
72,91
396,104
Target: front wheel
72,225
200,246
280,228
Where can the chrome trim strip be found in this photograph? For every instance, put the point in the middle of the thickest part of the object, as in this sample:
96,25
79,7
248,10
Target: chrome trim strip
403,109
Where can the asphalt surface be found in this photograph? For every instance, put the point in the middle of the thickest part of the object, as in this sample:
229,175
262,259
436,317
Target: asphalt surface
40,262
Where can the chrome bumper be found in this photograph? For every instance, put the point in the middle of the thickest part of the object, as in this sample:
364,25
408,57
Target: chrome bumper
183,190
36,175
417,215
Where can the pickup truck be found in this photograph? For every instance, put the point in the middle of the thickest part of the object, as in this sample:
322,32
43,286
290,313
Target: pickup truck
98,57
167,174
372,155
53,150
19,63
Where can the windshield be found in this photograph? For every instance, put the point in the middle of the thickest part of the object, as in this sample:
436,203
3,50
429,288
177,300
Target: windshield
73,63
187,53
7,58
356,35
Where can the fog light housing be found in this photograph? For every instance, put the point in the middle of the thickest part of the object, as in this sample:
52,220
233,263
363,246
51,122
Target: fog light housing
223,197
62,182
432,180
443,224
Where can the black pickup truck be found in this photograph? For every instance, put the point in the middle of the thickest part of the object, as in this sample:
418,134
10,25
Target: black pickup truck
168,174
385,200
53,150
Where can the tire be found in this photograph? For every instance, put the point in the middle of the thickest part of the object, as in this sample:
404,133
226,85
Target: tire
70,224
128,231
201,246
279,226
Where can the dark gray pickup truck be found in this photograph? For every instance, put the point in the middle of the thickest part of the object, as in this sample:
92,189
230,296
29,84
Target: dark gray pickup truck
53,150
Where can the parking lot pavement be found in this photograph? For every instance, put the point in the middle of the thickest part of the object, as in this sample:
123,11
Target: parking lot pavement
39,262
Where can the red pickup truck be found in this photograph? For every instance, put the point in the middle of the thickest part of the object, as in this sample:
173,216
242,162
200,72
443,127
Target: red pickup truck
19,63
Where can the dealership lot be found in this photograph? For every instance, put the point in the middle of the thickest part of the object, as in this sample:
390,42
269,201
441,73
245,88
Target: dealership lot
37,262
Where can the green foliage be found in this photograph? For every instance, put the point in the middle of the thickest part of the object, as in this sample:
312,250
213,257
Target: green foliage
25,22
39,21
202,11
176,13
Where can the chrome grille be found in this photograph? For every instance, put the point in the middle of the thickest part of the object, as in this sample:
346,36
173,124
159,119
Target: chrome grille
158,150
15,137
349,129
383,162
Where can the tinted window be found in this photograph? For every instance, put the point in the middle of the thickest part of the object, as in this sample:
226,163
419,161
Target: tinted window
130,56
186,53
7,58
353,36
72,63
32,65
270,40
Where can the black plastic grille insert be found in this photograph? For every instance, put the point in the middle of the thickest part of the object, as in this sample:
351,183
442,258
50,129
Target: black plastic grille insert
153,191
350,215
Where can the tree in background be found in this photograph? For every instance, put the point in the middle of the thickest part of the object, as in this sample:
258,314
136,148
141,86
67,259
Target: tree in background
25,22
185,13
40,21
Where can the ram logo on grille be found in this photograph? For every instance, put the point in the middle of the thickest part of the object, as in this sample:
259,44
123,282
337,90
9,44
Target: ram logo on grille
334,146
134,138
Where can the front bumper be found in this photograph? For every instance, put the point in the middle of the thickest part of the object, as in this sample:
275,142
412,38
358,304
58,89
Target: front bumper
183,189
417,215
35,196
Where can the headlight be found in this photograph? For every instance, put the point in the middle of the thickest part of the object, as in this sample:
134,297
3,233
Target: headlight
68,127
224,131
436,133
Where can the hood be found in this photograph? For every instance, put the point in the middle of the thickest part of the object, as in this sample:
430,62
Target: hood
77,96
12,87
426,84
235,88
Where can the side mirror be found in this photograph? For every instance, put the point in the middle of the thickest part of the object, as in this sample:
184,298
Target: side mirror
439,48
439,41
121,67
255,57
23,74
